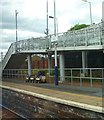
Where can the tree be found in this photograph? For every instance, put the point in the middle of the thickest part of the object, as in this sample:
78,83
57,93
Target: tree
78,26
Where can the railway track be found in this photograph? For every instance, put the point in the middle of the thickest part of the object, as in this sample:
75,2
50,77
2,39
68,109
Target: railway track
6,113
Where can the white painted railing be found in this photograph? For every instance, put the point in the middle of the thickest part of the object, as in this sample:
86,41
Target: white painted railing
91,35
10,51
32,44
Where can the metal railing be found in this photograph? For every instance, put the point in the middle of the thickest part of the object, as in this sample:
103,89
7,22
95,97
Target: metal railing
94,77
91,35
10,51
32,44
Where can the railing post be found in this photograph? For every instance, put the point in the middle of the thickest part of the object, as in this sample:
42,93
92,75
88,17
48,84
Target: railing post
90,77
71,77
9,73
80,78
102,76
86,42
100,33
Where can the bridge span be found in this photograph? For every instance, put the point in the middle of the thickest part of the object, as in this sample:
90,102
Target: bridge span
87,39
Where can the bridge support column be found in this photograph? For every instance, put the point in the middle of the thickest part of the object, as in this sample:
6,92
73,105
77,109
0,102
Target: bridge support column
49,64
29,64
62,65
84,62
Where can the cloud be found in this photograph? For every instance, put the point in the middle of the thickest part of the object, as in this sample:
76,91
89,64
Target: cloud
4,45
33,25
29,20
9,35
27,34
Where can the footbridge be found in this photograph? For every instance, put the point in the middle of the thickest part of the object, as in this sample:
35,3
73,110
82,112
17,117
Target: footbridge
90,38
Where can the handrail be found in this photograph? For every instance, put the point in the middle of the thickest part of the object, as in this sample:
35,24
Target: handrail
10,51
91,35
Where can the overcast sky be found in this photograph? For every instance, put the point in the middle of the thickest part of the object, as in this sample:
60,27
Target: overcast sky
32,17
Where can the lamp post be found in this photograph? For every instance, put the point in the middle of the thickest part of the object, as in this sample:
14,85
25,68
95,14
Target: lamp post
55,44
56,20
16,13
47,31
90,9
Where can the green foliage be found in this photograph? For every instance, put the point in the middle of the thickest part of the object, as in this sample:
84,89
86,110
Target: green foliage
78,26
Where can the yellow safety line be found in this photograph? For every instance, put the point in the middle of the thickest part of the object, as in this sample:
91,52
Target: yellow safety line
57,91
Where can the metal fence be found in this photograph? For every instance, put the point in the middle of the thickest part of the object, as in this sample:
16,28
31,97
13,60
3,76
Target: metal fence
92,77
85,77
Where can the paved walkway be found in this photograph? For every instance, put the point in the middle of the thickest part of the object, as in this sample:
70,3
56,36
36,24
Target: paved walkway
71,96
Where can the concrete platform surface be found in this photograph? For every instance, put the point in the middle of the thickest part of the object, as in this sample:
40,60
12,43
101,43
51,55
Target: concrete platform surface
83,97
